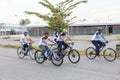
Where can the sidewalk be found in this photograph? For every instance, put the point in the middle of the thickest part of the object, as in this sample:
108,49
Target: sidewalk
81,41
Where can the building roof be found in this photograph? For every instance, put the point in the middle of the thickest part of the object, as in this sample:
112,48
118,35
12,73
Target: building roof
10,25
96,24
36,25
78,24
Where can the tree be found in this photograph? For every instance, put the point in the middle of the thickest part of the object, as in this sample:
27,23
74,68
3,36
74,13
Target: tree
24,22
60,13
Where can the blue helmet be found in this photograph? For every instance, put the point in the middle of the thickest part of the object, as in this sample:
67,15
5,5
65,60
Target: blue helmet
46,33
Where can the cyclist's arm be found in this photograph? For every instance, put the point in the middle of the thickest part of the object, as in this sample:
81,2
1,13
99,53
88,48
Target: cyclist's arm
103,37
24,40
64,40
45,42
31,39
69,38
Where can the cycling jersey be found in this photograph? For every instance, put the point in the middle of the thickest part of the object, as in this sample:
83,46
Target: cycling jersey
62,35
55,35
25,38
97,36
43,39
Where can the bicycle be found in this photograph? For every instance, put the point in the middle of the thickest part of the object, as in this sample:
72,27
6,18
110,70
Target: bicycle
30,50
73,55
54,56
108,53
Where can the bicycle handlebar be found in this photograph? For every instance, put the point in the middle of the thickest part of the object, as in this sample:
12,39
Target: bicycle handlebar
71,43
52,44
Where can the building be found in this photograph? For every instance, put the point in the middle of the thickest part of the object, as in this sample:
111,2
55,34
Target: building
78,29
37,29
8,29
87,29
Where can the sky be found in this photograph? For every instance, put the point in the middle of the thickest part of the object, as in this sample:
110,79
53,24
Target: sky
12,11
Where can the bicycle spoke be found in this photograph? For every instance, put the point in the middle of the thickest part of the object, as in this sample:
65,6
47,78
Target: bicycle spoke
90,53
110,54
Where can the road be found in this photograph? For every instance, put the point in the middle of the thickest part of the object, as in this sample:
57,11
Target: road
13,68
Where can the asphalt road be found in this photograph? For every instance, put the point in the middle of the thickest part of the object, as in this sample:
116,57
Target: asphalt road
13,68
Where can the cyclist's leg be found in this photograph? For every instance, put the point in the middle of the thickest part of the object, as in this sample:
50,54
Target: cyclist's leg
100,44
64,46
25,47
43,50
59,46
96,46
48,51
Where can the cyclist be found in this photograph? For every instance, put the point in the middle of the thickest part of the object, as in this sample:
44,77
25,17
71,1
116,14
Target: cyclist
23,41
61,40
98,40
44,43
55,34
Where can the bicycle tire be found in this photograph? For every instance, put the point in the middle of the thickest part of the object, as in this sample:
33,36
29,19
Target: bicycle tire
111,53
90,53
32,53
74,54
20,52
58,61
37,57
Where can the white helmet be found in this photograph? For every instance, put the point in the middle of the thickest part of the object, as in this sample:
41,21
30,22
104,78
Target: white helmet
25,31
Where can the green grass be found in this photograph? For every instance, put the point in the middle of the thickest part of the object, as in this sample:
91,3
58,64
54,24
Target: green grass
9,46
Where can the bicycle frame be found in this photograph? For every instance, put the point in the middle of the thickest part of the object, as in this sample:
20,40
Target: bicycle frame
49,51
70,46
103,47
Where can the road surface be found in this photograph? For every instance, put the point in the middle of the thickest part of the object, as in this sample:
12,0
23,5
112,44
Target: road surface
13,68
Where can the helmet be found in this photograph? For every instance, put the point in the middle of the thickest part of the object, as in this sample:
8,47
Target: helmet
65,30
99,28
46,33
25,31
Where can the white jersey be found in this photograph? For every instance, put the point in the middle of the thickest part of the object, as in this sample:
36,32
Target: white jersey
25,38
43,39
97,36
55,35
64,36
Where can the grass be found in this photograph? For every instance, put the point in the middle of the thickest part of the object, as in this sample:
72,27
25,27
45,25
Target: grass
17,39
7,37
118,38
16,46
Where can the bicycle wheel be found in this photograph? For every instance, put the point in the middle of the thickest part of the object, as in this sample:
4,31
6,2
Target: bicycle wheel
32,53
56,58
39,57
90,53
110,54
74,56
20,52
